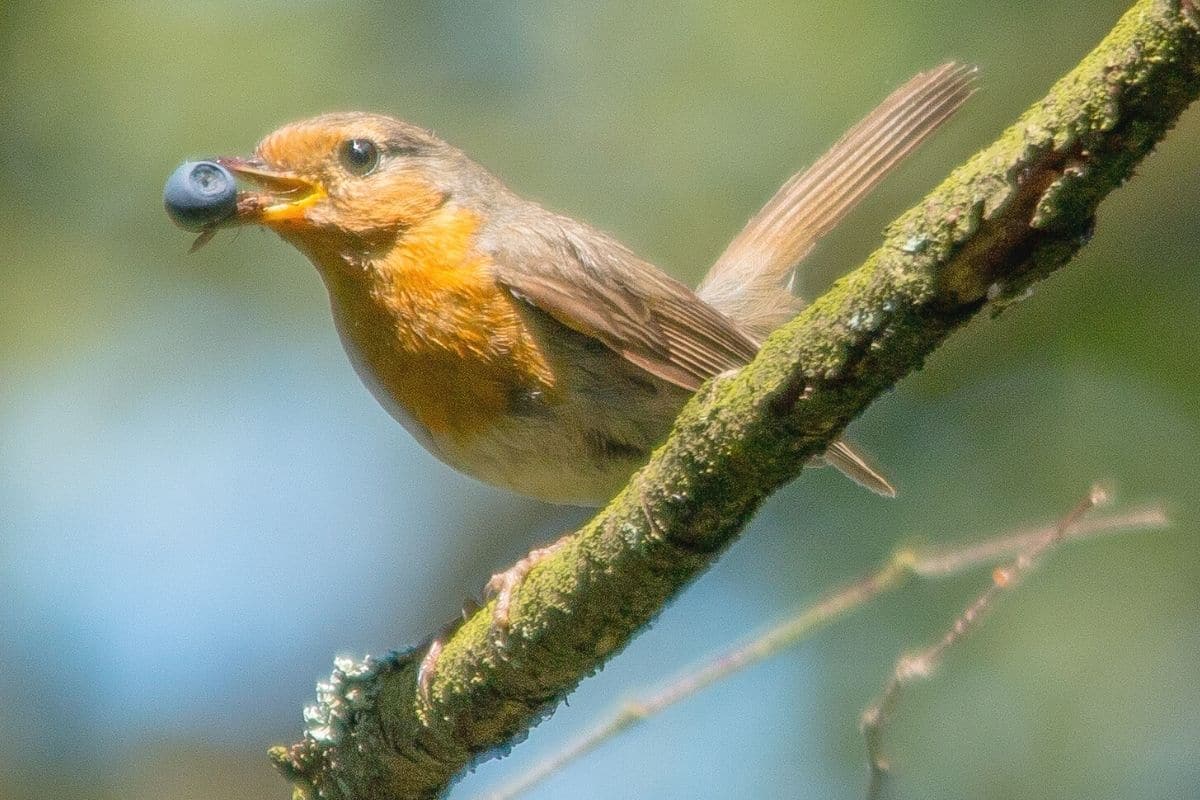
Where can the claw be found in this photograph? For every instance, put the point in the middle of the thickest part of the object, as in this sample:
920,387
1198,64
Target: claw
428,669
503,586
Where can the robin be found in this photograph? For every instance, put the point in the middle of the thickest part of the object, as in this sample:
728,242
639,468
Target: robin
518,345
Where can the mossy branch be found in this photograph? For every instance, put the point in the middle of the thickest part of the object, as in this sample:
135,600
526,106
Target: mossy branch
1011,215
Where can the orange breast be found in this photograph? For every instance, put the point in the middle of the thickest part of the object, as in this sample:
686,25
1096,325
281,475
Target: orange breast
436,331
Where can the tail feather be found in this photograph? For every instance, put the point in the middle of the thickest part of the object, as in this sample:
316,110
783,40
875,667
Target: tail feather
750,281
854,465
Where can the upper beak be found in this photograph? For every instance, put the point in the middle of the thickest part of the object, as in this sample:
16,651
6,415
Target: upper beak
279,196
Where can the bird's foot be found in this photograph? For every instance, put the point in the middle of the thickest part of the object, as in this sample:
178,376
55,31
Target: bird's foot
428,667
503,586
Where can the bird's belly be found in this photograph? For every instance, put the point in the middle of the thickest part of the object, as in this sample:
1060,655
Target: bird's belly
544,459
575,447
576,442
580,447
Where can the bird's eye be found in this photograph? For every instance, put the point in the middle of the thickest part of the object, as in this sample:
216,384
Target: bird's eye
360,156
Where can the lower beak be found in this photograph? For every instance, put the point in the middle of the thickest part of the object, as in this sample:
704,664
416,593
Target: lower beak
278,196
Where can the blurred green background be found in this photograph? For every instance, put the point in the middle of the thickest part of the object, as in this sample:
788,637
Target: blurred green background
200,505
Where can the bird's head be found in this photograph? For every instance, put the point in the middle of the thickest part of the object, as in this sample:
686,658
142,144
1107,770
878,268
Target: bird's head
334,184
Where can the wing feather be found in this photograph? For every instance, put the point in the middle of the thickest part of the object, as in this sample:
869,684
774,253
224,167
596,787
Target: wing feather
593,284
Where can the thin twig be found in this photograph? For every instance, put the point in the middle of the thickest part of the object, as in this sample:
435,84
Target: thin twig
956,559
922,664
903,564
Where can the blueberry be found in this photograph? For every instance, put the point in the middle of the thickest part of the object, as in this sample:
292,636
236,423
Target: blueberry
200,193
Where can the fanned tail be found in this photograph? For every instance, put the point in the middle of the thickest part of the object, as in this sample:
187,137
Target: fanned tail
751,281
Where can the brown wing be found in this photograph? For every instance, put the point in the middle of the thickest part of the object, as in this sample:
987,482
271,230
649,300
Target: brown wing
593,284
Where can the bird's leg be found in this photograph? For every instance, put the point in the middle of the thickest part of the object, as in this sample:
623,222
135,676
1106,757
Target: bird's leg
502,587
428,668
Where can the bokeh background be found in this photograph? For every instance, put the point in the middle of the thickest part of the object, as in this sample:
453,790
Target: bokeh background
200,505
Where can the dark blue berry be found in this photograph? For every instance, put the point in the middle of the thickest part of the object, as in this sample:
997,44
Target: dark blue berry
200,193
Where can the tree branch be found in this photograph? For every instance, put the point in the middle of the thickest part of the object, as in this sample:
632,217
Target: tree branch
904,564
1008,217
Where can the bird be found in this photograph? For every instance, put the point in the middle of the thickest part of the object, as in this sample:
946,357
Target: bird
516,344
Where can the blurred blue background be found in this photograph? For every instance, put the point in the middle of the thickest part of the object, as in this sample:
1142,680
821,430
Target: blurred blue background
200,505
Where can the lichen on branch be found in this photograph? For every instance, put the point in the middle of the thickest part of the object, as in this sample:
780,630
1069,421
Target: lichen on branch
1008,217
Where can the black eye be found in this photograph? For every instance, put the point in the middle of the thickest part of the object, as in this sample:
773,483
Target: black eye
360,156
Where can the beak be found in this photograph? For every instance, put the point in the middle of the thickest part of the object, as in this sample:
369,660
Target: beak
278,197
